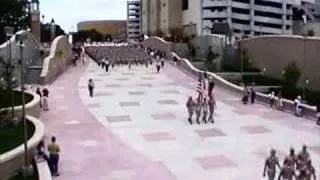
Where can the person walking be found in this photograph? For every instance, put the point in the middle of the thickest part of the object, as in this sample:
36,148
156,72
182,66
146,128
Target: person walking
162,62
211,105
107,65
271,99
90,87
204,110
38,91
54,151
198,108
252,94
45,94
280,101
190,107
298,106
158,65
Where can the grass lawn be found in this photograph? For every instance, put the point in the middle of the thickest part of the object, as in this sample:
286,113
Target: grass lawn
5,98
20,177
12,136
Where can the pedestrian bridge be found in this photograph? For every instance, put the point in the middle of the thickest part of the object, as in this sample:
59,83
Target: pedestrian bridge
135,128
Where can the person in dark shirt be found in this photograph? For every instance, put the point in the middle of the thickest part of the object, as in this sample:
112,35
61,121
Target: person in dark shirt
45,93
38,91
318,114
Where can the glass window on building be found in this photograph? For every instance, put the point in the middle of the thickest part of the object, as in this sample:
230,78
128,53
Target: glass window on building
185,5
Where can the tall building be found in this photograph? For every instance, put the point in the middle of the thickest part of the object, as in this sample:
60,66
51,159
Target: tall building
134,19
35,19
251,17
161,15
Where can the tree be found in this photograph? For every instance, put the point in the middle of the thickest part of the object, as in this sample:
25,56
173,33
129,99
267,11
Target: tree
82,36
292,75
6,73
46,32
310,32
13,13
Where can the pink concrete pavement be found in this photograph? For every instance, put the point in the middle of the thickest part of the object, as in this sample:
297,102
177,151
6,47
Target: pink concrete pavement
89,150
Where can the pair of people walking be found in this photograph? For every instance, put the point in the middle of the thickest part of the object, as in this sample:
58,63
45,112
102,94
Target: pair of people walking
204,108
44,95
249,93
53,157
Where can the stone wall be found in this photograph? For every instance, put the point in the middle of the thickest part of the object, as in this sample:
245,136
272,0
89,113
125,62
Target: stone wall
60,56
275,52
31,51
12,161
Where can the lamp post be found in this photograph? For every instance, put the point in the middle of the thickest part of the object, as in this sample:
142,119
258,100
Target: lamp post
27,168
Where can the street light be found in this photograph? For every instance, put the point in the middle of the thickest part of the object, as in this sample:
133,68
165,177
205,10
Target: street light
27,168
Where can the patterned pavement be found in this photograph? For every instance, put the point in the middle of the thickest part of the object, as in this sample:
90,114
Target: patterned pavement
135,128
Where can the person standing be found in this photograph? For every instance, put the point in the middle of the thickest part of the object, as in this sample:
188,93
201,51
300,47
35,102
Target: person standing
90,87
210,87
245,95
318,114
107,65
38,91
280,101
162,62
54,151
271,99
298,106
45,93
190,107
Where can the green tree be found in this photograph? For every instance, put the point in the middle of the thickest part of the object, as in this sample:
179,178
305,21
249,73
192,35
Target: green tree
292,75
46,32
13,13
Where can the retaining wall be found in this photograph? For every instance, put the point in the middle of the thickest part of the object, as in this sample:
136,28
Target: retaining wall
56,63
186,65
11,162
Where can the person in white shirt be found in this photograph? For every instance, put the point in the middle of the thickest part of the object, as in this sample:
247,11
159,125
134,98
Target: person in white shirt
298,106
271,99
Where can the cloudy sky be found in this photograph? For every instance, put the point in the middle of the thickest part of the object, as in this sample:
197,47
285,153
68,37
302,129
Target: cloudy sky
68,13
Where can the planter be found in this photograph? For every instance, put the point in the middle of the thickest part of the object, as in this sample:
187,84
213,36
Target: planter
12,161
32,108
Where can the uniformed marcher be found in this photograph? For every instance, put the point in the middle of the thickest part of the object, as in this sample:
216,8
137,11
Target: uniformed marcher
211,104
198,107
204,110
190,107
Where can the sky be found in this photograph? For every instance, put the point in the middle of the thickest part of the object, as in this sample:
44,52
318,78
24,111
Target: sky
67,13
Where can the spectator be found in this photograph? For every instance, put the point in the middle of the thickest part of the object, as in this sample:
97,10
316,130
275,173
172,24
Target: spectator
54,151
90,87
38,91
45,93
280,101
318,114
252,94
271,99
298,106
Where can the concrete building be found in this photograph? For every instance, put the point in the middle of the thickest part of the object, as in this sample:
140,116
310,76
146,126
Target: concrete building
251,17
161,15
191,16
110,27
134,19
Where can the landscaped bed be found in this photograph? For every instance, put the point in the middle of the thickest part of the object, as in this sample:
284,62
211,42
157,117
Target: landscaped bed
12,136
20,177
5,98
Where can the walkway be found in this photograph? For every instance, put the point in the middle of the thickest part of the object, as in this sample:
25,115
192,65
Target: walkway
135,129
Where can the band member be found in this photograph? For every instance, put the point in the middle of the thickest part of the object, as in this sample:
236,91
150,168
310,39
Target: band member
291,159
303,157
287,173
198,108
204,110
271,165
310,171
190,107
158,65
211,105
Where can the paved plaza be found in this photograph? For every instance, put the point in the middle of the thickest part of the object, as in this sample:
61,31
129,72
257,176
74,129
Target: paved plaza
135,128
